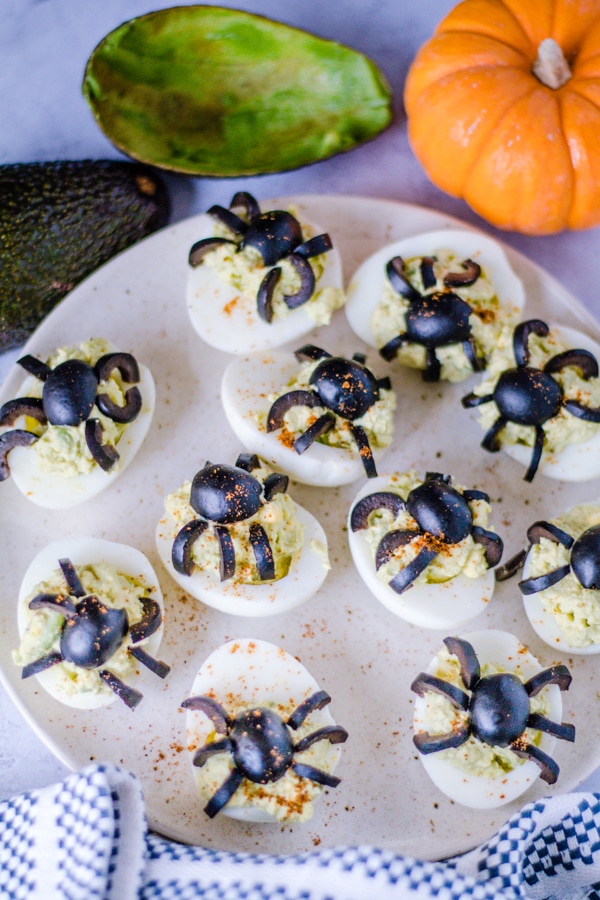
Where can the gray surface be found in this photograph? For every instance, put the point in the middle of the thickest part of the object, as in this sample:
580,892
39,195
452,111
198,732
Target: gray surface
44,45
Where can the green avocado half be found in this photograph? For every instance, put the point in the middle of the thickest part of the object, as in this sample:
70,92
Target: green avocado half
61,220
206,90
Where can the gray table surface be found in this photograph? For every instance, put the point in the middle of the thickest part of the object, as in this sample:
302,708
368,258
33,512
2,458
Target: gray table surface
44,45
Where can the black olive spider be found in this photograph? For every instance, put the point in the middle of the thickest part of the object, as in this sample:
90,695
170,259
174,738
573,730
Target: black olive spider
276,235
584,561
497,708
93,631
222,495
261,744
68,397
443,517
435,319
346,388
529,396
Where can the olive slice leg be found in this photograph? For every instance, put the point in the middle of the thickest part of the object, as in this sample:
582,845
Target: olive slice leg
549,770
390,542
395,271
323,424
389,351
472,399
307,282
213,710
551,532
130,696
76,589
335,734
364,449
587,413
264,297
226,553
432,369
469,275
16,438
228,218
470,670
275,483
476,362
224,794
181,552
247,461
427,272
313,774
405,577
511,567
563,730
316,701
585,361
541,582
425,682
521,338
491,542
203,754
558,674
35,367
263,552
104,454
149,623
201,248
40,665
121,414
536,455
22,406
124,362
247,201
315,246
431,743
59,603
286,402
311,352
490,440
155,665
361,512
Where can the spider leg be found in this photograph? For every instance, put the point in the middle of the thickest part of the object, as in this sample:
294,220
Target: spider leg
199,250
548,768
311,352
35,366
40,665
559,675
322,425
361,512
263,552
491,542
264,296
60,603
224,794
536,455
541,582
562,730
215,712
426,682
470,495
318,775
130,696
155,665
584,360
22,406
395,271
247,461
307,281
203,754
477,363
71,577
229,218
470,400
469,275
521,338
316,701
275,483
335,734
248,202
104,454
16,438
511,566
390,542
405,577
427,272
490,439
226,552
432,369
286,402
121,414
149,623
587,413
431,743
470,670
321,243
549,531
364,448
389,351
181,552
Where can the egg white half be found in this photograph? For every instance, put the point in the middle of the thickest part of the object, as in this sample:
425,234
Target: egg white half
53,491
82,551
476,791
545,624
366,285
247,384
229,321
246,673
444,605
577,462
305,577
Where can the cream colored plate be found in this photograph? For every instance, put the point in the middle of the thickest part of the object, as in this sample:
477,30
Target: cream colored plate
356,649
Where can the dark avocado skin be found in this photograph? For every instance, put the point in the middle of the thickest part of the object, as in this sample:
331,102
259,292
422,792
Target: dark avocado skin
61,220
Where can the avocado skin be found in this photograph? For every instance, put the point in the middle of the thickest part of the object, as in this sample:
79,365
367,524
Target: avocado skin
61,220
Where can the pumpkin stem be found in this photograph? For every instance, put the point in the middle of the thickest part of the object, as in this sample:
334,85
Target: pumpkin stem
550,66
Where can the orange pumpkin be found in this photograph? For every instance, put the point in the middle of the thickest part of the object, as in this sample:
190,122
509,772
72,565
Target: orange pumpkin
503,107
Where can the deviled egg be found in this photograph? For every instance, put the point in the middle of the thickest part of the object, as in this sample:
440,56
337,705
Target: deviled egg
436,301
486,719
561,580
260,279
86,412
234,539
322,419
90,617
423,548
540,401
262,739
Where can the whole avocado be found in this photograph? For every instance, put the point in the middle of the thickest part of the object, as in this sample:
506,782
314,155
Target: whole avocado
61,220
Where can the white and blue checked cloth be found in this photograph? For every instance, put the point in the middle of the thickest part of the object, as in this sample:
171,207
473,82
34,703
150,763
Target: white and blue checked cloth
87,839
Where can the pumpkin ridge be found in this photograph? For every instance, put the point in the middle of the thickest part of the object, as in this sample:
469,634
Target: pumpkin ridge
453,22
476,34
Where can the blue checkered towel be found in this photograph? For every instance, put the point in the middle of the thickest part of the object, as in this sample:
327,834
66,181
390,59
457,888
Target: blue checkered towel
86,838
